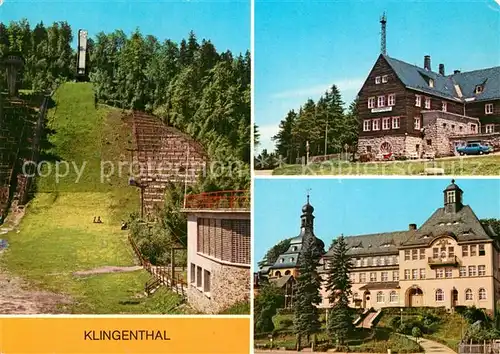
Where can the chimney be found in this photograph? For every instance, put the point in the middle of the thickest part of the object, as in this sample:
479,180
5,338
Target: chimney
412,227
441,69
456,72
427,62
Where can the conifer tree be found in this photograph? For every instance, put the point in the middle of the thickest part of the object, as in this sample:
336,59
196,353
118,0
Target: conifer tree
339,287
307,295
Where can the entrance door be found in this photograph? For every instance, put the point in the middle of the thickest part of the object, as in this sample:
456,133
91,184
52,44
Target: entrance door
454,297
416,297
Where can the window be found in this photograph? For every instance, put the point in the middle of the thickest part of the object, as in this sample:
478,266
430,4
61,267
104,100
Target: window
421,253
472,250
468,295
416,123
376,124
206,281
392,99
407,274
422,273
431,82
414,255
381,261
380,297
193,273
365,262
278,274
473,128
352,278
418,101
373,276
198,277
407,255
371,102
481,270
429,142
472,271
439,295
482,252
366,125
435,253
444,106
427,103
463,271
488,108
377,80
395,123
450,197
439,273
355,295
448,273
282,260
385,78
385,276
465,251
362,277
395,275
393,297
381,101
482,294
444,125
414,274
460,128
386,123
451,252
489,128
358,262
479,89
453,127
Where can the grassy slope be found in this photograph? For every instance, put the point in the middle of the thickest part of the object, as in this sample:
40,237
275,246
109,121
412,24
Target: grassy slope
473,166
57,235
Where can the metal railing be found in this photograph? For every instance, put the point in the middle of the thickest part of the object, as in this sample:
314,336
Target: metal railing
443,260
236,199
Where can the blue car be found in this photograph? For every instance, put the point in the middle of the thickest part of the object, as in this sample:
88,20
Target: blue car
474,149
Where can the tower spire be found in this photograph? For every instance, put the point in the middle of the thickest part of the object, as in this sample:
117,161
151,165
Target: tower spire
308,191
383,23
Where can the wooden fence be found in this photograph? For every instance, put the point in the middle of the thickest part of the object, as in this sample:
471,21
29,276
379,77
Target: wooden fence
162,275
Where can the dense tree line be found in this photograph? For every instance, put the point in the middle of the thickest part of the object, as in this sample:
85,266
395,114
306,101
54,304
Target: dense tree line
47,52
325,125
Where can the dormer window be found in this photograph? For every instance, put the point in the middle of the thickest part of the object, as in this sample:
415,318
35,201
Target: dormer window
294,248
431,83
488,108
479,89
444,106
377,80
385,78
292,259
450,197
282,260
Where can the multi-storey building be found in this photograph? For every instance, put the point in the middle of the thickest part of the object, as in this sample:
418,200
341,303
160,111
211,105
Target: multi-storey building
413,111
451,260
219,245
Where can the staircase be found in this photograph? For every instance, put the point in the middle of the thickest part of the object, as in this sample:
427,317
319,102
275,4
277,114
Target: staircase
367,321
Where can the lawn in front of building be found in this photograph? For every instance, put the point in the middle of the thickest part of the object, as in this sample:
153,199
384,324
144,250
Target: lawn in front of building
461,166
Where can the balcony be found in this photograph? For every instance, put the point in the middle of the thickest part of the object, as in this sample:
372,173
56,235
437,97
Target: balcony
236,200
443,261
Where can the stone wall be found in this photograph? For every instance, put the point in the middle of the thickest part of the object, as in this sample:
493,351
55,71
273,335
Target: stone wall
229,285
401,145
164,155
493,139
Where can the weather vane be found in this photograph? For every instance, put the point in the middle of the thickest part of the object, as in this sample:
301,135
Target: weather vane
308,190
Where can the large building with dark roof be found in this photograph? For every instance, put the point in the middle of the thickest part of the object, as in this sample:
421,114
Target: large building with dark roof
417,112
451,260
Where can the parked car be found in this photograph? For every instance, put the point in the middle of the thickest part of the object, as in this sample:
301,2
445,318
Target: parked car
474,149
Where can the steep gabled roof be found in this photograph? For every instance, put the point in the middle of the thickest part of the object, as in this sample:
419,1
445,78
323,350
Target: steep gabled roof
463,226
380,243
416,78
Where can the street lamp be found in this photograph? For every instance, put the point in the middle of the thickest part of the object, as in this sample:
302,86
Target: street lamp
401,321
133,182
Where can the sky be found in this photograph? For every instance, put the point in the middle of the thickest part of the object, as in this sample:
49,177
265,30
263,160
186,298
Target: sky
225,22
357,206
303,47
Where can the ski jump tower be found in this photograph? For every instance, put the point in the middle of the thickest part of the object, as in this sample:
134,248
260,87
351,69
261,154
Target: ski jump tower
81,65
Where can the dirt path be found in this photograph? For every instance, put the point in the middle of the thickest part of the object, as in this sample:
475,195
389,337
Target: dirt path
107,269
15,299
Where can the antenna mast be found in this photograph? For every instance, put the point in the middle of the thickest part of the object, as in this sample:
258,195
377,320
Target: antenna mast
383,23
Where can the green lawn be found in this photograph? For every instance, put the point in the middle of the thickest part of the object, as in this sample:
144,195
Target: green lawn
57,236
360,341
468,166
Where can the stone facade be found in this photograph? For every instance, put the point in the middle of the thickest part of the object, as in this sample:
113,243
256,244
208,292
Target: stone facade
229,285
